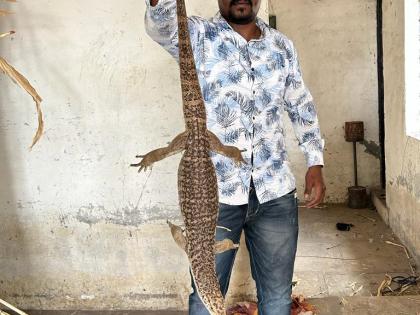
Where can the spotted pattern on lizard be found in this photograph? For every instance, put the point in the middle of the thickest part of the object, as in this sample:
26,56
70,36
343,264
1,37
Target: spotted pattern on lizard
197,182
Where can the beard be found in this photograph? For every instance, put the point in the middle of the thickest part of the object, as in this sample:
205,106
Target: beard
241,16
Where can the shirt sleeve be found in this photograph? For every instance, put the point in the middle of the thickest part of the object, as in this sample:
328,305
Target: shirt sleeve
301,109
161,25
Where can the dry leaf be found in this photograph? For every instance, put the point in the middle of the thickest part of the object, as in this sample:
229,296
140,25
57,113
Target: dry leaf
23,82
7,34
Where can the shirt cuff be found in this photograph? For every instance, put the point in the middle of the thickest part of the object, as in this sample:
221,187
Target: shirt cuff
313,151
160,4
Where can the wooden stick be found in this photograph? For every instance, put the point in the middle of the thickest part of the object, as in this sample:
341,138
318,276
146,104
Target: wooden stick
12,307
405,249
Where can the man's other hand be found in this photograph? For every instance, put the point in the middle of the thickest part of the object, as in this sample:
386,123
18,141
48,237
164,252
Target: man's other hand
314,186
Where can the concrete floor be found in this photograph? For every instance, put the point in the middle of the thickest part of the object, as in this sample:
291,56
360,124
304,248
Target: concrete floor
334,263
402,305
331,264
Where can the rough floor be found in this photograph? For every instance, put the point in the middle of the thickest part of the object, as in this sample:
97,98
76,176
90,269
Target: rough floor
402,305
338,271
334,263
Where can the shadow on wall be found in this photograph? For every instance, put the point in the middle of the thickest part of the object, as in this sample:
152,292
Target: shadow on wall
14,244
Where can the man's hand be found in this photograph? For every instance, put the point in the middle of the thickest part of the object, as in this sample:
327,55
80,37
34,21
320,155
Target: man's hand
314,186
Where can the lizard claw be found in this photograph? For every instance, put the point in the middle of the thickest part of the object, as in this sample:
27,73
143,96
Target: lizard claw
144,164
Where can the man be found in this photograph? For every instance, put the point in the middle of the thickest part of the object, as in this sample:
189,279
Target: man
249,74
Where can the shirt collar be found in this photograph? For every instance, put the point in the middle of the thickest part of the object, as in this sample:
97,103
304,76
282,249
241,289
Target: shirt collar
221,21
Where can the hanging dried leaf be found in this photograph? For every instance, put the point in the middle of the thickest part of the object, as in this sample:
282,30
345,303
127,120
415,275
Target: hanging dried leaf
23,82
7,34
5,12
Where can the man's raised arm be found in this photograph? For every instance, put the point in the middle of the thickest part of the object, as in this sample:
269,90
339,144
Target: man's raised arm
161,25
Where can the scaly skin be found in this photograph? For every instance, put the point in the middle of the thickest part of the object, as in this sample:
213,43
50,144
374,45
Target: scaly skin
197,182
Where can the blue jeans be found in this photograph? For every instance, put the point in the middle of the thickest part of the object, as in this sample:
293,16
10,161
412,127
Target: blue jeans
271,232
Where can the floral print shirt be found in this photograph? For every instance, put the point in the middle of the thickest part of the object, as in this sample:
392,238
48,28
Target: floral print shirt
246,87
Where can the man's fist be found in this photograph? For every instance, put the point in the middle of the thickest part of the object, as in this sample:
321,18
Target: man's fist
314,186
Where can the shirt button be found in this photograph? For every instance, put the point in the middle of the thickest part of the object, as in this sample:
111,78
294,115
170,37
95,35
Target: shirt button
253,118
253,92
252,69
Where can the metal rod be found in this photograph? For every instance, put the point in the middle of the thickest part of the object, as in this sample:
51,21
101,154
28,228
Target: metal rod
355,163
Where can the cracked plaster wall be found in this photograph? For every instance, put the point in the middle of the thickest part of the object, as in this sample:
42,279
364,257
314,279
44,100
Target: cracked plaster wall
402,152
336,43
79,228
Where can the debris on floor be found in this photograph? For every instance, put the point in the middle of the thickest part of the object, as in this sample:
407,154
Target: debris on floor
299,307
411,261
344,226
355,288
243,308
396,285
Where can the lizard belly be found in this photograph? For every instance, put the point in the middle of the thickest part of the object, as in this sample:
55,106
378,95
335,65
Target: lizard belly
198,195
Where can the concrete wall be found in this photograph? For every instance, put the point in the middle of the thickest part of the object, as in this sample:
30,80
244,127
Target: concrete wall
336,41
402,152
78,227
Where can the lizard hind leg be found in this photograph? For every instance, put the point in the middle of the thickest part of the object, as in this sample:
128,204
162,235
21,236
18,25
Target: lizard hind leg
224,245
179,238
227,150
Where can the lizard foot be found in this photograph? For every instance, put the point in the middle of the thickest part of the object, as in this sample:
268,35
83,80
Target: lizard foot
224,245
146,162
235,154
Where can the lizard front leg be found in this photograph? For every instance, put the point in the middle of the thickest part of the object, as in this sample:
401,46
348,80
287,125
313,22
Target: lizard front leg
174,147
227,150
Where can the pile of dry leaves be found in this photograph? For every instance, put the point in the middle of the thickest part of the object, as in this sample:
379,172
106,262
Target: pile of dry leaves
299,307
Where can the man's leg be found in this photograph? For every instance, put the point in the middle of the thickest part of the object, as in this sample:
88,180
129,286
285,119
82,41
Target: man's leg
271,238
230,223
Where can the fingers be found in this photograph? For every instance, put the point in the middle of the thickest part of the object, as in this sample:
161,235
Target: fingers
308,191
319,194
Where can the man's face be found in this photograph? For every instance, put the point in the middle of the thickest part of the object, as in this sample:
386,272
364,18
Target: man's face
239,11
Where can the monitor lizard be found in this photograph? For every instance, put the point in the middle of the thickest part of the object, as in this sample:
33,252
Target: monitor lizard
197,181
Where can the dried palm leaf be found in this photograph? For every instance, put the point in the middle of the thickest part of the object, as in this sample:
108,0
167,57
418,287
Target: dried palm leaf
7,34
23,82
12,308
5,12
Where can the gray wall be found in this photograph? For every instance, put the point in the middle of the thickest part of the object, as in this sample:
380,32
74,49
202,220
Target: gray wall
79,228
402,152
336,41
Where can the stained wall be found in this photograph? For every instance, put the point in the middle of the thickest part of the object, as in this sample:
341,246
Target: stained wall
79,227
